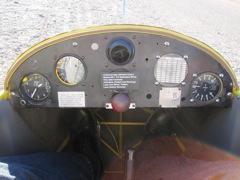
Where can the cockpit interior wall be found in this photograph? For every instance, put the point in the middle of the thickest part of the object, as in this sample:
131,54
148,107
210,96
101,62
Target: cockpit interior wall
125,75
221,128
45,130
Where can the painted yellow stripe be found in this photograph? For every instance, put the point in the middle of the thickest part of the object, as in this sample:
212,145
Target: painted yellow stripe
109,130
4,95
109,147
236,92
119,28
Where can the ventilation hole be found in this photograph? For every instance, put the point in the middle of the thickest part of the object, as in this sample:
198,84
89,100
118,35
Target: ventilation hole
183,99
148,96
146,59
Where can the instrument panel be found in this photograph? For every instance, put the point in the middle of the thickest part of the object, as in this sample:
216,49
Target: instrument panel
149,69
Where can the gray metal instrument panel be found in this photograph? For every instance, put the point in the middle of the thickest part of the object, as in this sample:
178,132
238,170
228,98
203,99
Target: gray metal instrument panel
153,71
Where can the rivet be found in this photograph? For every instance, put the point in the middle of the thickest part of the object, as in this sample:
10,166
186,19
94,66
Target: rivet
75,44
158,57
221,75
166,44
23,102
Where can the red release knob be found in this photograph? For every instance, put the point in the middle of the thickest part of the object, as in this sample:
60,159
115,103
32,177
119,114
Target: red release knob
120,102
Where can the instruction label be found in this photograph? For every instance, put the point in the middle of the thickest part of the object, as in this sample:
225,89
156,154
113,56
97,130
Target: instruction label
71,99
120,80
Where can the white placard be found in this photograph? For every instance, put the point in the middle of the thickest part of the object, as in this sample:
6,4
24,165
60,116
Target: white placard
71,99
170,97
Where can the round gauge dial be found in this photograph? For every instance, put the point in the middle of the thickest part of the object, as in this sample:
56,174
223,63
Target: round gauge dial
70,70
171,69
120,51
206,87
36,87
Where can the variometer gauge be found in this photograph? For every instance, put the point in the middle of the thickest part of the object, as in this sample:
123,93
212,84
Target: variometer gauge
36,87
206,87
70,70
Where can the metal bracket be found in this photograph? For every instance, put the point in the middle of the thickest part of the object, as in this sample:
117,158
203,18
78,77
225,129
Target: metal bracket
131,106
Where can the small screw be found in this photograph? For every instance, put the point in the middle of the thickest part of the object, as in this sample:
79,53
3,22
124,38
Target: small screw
23,102
194,75
166,44
106,65
217,100
185,56
83,84
156,83
158,57
183,83
229,94
134,64
191,100
221,75
75,44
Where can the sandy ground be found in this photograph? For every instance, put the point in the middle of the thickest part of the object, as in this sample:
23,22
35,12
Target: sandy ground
26,22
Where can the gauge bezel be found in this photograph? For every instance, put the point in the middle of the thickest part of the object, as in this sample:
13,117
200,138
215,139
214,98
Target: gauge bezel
131,54
77,57
26,97
165,84
217,95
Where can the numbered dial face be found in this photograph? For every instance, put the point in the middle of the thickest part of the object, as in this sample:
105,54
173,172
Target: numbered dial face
206,87
36,87
70,70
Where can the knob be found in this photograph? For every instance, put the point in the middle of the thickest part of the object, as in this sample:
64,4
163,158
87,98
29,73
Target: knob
120,102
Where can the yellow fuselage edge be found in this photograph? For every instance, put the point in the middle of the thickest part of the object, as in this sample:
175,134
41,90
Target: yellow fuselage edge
118,28
4,95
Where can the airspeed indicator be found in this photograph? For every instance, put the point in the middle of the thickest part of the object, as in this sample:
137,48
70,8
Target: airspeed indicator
36,87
